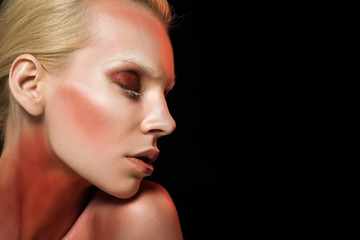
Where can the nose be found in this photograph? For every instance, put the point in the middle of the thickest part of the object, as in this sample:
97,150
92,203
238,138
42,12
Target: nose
158,120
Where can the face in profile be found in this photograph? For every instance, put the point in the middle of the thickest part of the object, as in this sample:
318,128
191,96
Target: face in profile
105,111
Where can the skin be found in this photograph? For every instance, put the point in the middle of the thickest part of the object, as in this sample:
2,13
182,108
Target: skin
77,128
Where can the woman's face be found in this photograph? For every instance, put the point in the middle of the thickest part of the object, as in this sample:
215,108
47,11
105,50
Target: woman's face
105,112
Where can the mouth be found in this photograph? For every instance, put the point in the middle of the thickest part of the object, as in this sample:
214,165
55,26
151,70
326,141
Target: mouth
148,156
144,160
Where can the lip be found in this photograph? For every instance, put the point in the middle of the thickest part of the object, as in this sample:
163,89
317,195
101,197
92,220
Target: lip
149,156
143,160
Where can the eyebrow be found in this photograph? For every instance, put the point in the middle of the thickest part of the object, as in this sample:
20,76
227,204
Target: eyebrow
144,66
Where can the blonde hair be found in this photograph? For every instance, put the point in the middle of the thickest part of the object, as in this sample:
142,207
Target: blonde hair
50,30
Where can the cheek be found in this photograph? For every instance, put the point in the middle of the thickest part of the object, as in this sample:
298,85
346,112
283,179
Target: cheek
86,114
84,119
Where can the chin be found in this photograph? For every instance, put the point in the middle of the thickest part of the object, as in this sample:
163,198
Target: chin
126,191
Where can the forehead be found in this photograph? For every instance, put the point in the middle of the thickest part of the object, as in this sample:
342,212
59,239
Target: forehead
126,30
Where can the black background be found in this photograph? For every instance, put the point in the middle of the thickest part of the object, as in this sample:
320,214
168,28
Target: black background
261,144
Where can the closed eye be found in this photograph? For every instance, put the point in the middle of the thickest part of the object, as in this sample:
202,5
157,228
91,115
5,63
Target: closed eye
129,82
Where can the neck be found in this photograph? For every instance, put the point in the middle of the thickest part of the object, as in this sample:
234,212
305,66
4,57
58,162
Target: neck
40,198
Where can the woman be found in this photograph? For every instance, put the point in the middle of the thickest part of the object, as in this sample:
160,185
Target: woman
83,85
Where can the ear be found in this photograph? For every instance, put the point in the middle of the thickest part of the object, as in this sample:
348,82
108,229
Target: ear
25,81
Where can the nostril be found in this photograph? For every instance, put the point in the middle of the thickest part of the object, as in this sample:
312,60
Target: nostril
155,131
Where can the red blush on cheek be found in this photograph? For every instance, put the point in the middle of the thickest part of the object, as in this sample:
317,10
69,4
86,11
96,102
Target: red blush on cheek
85,113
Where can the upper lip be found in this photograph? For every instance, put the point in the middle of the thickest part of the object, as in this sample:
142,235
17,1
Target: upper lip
148,156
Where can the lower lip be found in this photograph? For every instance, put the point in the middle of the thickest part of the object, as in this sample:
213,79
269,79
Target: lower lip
146,168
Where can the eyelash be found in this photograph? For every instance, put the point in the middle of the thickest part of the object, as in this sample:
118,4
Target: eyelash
135,94
132,92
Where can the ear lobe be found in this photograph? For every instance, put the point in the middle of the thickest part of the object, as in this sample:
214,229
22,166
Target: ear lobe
25,81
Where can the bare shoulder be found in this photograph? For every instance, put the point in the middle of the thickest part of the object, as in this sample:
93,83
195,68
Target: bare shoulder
150,214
